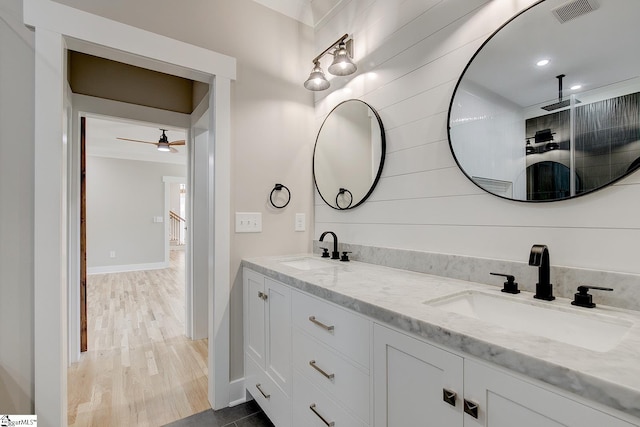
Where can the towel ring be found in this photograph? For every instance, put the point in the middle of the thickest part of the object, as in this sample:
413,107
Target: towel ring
341,192
279,187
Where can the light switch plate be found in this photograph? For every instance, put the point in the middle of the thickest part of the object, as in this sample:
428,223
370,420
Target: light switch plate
248,222
300,222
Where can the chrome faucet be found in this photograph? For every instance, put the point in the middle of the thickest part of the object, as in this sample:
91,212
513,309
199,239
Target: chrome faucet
335,254
539,257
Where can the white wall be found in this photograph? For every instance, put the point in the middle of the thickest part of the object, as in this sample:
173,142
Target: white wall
174,197
16,211
477,111
410,55
123,197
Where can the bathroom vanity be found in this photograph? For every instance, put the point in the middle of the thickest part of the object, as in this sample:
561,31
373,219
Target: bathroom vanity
330,343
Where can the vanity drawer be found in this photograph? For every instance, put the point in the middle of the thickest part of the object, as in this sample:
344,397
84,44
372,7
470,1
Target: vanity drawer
269,396
345,331
332,373
313,408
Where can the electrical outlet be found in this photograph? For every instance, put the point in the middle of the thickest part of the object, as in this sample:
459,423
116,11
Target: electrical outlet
112,254
248,222
300,224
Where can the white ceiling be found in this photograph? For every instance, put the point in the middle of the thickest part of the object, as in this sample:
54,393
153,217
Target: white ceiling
594,50
102,134
309,12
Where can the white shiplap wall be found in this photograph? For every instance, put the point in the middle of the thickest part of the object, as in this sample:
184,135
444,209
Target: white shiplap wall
410,54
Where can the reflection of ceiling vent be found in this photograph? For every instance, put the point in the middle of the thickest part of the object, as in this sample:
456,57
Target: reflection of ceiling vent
573,9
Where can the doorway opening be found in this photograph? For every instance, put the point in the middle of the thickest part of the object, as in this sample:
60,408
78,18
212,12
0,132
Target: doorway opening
135,287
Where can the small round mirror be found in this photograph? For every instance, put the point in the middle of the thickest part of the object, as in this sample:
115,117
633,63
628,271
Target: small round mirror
349,154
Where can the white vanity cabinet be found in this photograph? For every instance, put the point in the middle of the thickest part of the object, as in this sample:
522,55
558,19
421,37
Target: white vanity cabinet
410,380
416,383
313,363
331,358
267,335
506,399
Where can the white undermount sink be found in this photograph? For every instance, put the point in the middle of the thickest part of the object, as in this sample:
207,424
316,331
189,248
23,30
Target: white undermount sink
308,263
586,329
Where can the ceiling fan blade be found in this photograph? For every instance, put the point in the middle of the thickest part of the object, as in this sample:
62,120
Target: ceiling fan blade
178,142
173,150
137,140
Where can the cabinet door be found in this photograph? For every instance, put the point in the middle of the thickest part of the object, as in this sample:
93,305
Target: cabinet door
278,324
505,400
410,380
254,312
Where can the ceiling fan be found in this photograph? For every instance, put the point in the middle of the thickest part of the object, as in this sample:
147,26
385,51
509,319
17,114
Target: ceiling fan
163,143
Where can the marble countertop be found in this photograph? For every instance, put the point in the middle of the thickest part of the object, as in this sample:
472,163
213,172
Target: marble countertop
397,297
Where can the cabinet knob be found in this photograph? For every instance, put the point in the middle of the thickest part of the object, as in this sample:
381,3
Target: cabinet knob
262,295
471,408
449,396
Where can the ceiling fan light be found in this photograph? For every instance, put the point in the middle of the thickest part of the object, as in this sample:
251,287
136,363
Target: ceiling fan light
163,146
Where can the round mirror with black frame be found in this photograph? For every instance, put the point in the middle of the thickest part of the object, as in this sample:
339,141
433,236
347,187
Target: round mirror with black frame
349,154
549,107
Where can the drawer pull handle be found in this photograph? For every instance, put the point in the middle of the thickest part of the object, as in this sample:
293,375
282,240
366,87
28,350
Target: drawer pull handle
262,295
312,363
449,396
328,423
471,408
322,325
259,387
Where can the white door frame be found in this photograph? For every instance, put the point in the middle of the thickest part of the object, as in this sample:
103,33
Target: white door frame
58,27
168,180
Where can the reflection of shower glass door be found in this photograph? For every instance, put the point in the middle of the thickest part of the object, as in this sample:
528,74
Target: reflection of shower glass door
592,144
607,139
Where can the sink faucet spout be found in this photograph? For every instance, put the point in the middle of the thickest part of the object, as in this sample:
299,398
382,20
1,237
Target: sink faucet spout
334,254
539,257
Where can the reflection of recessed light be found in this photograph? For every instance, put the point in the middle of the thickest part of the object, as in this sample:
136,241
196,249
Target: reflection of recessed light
542,62
576,87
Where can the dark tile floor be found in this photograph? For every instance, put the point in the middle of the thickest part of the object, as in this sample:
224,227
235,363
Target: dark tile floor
246,415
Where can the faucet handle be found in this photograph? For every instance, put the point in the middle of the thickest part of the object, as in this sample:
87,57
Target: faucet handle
345,256
583,298
325,253
510,286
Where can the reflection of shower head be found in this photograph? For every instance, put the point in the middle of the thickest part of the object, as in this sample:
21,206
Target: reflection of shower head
557,105
560,103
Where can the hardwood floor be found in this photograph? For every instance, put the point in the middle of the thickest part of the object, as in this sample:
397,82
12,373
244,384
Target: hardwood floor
140,369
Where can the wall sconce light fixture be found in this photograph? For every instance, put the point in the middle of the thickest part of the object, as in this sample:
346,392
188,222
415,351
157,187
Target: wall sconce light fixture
342,64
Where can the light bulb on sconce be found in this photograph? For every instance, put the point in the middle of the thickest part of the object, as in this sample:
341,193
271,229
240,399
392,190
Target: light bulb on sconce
317,80
342,64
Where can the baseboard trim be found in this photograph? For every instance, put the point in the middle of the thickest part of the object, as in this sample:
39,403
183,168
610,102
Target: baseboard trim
127,267
237,395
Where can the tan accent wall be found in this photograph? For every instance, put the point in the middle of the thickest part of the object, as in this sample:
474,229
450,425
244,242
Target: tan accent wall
103,78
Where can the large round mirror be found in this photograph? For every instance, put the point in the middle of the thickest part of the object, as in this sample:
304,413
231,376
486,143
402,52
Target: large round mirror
549,107
349,154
